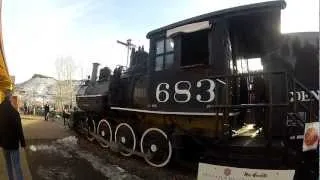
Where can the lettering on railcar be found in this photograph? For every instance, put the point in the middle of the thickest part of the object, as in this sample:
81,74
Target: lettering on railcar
303,96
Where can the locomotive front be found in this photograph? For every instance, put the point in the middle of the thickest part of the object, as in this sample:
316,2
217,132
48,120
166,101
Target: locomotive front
92,95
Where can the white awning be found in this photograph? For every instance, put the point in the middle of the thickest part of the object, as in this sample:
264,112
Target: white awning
189,28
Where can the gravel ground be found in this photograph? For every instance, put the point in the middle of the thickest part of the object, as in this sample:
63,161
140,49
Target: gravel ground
55,152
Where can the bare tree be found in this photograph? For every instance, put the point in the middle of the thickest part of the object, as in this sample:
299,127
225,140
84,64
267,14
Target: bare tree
65,69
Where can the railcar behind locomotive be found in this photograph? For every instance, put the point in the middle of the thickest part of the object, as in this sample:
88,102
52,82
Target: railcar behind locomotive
212,84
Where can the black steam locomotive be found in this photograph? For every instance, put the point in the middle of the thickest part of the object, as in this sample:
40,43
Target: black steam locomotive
226,85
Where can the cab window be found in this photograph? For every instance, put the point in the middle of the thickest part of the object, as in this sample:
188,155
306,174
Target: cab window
164,54
195,48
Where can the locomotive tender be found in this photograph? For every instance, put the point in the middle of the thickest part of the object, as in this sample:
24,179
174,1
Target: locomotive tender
215,85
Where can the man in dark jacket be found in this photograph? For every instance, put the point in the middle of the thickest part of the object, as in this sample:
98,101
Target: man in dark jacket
65,115
11,135
46,112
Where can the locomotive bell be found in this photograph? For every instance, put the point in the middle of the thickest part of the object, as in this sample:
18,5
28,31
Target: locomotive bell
94,72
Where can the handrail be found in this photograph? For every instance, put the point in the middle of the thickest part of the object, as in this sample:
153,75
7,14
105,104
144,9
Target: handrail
300,121
304,88
251,105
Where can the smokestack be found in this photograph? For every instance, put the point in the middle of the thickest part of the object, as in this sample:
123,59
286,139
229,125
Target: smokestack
94,72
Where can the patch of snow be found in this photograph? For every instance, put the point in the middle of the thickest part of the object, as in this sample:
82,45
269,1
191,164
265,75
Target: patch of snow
110,171
33,148
70,141
50,149
55,173
68,148
120,169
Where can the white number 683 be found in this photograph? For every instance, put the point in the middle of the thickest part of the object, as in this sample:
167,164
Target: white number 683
185,91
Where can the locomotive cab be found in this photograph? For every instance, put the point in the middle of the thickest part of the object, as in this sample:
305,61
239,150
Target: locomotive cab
228,65
215,60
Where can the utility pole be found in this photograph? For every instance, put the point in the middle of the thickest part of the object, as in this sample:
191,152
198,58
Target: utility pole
129,45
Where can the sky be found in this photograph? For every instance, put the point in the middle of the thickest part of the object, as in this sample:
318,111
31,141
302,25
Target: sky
37,32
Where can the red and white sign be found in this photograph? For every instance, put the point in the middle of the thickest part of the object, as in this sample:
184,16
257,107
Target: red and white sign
311,136
214,172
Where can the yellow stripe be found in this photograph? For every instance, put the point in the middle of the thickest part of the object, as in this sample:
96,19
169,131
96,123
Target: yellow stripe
5,80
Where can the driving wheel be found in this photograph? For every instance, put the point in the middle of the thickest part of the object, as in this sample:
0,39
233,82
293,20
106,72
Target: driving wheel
156,146
104,130
126,138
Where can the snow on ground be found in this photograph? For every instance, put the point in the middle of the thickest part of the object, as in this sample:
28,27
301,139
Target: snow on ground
110,171
68,148
70,141
50,149
55,173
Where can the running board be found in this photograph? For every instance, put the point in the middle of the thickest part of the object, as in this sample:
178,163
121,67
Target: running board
173,113
115,147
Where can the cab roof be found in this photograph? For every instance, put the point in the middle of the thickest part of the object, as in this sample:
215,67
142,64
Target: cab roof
222,13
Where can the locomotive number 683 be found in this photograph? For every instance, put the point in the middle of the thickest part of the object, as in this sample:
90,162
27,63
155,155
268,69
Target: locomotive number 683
184,89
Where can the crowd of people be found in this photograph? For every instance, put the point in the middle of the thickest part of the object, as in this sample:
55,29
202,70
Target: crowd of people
46,111
32,110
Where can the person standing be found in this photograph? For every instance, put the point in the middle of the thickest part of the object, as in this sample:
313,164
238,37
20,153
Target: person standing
65,115
11,136
25,108
46,112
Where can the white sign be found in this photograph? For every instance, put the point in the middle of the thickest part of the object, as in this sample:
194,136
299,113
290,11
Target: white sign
214,172
311,136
